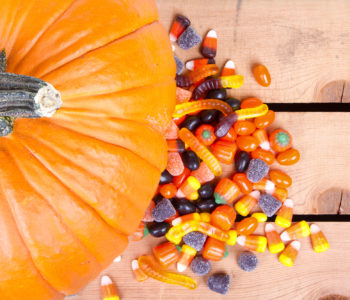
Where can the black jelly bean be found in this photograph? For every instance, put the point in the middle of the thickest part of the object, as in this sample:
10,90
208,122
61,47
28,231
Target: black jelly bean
184,206
165,177
216,94
206,205
206,191
225,124
159,229
190,160
191,123
234,103
242,160
209,116
157,198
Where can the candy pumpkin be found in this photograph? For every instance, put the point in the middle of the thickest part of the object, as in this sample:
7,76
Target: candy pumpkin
74,183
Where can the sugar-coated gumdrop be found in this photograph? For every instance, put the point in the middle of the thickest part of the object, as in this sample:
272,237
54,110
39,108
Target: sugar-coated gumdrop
247,261
163,210
189,38
219,283
200,266
179,65
257,170
269,204
195,239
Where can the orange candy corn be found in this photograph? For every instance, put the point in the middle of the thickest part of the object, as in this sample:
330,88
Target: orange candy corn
209,45
285,214
273,239
187,254
297,231
108,289
138,273
244,205
256,243
289,254
261,136
318,239
195,64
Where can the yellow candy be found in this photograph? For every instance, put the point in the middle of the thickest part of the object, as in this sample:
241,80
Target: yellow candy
260,216
205,217
273,239
318,239
289,254
297,231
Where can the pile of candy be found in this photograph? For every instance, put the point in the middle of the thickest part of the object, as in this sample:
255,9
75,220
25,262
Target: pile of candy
192,207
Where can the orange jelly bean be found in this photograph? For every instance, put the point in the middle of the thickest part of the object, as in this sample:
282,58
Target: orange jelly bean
280,179
243,183
265,120
266,156
178,180
223,217
168,190
230,136
247,143
262,75
251,102
247,226
244,127
214,249
289,157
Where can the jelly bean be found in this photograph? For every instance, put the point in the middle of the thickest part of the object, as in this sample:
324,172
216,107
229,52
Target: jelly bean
149,266
188,39
203,153
242,160
256,243
234,103
244,205
195,239
206,205
184,218
195,106
318,239
196,76
280,140
168,190
191,122
281,194
269,204
243,183
213,249
205,217
175,165
251,103
178,27
247,226
209,116
226,191
265,120
257,170
200,266
159,229
139,233
280,179
203,174
163,210
223,217
187,254
179,65
206,191
147,217
217,94
273,239
138,273
224,151
178,180
190,160
247,143
262,75
188,187
247,261
265,185
244,127
230,135
233,81
229,69
297,231
108,289
165,177
184,206
195,64
219,283
285,214
289,157
289,254
166,254
209,45
205,134
261,136
182,95
267,156
171,131
260,217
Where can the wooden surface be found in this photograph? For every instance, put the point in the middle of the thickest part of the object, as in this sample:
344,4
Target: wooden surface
306,46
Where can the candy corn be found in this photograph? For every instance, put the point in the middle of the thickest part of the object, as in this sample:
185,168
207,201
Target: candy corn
108,289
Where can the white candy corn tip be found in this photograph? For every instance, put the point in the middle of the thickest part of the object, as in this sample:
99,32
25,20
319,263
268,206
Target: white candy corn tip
181,267
270,187
241,240
255,194
212,34
314,228
172,37
117,259
285,236
190,65
265,146
173,47
288,203
134,265
295,245
105,280
229,65
269,227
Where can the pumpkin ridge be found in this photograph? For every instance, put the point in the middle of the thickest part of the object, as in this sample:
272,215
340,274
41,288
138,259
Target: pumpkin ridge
86,171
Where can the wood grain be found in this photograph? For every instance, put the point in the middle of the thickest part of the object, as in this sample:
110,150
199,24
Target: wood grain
305,44
313,276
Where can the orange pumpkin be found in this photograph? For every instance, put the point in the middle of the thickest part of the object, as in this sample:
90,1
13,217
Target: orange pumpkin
74,186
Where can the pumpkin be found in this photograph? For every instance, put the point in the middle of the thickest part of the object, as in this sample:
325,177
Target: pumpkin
75,185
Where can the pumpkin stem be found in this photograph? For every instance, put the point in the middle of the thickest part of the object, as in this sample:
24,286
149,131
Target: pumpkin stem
24,97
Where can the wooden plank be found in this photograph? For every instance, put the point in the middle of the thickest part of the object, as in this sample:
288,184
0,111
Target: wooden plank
313,276
305,44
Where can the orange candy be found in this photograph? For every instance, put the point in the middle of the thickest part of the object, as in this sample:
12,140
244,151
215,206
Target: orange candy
244,127
280,193
280,140
182,95
230,136
266,120
147,217
247,226
203,173
229,69
166,254
224,151
226,191
179,120
168,190
178,27
266,156
175,146
175,165
213,249
210,44
243,183
178,180
108,289
261,136
280,179
139,233
289,157
262,75
171,131
138,273
247,143
223,217
251,102
205,134
244,205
